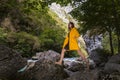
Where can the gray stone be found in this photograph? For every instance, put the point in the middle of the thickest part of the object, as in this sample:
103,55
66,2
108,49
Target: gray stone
85,75
113,64
49,55
45,70
99,57
10,63
109,76
75,66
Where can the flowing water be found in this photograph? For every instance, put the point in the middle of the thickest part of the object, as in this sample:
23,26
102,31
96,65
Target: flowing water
93,42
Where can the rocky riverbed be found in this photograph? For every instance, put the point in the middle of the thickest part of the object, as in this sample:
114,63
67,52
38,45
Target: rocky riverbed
42,67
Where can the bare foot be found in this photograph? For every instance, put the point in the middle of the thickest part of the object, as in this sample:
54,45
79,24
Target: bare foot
59,63
87,65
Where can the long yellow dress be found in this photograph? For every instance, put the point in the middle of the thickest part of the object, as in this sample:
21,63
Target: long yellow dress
73,35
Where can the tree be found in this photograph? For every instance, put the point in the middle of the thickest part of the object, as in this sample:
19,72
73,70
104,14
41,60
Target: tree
99,16
34,28
116,13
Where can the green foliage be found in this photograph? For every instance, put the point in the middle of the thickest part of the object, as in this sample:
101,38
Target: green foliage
70,54
61,2
6,6
36,28
105,42
59,22
35,17
52,38
2,36
99,17
23,42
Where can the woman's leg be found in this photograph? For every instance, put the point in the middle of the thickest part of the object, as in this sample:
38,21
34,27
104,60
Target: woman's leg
83,57
61,57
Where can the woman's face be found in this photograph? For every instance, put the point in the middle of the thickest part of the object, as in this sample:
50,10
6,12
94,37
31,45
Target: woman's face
69,26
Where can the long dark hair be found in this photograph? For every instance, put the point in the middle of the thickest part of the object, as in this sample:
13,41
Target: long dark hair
71,24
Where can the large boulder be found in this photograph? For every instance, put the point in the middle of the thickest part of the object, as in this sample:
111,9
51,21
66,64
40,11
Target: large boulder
99,56
10,63
103,75
75,66
47,70
44,70
113,65
85,75
49,55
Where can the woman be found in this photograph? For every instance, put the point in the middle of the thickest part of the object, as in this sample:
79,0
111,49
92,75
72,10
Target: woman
70,43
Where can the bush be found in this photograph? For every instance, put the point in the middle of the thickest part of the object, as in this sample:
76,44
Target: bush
34,28
23,42
3,35
52,39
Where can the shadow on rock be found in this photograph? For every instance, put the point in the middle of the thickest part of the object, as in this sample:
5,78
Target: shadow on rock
44,70
10,62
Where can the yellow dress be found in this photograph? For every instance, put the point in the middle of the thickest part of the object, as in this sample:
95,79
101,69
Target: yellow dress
73,36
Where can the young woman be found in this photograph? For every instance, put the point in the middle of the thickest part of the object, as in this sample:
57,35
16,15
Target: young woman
70,43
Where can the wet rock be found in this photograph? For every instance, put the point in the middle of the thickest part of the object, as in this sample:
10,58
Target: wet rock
77,64
10,63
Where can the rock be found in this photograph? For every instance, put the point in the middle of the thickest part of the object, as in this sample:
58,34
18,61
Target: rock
10,63
99,57
70,73
49,55
85,75
112,69
45,70
109,76
75,66
115,59
92,64
68,61
49,71
113,65
95,56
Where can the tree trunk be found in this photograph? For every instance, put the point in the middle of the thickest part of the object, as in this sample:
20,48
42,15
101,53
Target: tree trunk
111,43
118,44
117,25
